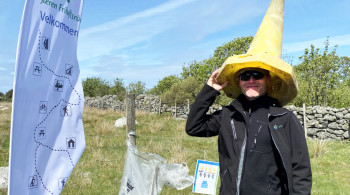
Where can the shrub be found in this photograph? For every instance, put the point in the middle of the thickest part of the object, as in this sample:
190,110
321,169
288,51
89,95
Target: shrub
182,91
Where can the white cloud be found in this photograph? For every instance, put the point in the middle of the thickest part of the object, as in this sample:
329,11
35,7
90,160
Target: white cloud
185,20
127,31
156,42
166,7
340,40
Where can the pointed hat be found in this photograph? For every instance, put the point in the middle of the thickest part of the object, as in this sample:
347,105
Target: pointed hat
264,53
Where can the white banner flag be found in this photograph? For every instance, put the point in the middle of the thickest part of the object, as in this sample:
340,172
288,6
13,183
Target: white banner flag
47,135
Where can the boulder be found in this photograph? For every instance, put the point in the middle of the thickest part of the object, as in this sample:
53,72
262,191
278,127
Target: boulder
122,122
346,135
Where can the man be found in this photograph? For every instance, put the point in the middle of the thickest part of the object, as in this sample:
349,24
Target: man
262,148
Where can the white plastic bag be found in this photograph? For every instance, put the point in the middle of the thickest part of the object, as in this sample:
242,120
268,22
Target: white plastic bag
146,173
176,176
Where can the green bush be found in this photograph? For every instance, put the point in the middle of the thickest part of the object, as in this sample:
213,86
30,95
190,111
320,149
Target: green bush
95,86
182,91
137,88
164,85
323,78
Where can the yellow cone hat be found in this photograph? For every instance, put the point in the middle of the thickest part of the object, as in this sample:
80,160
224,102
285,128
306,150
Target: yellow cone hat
265,53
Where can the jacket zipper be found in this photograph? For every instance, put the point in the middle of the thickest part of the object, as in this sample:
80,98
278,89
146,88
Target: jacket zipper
240,166
241,159
233,130
256,135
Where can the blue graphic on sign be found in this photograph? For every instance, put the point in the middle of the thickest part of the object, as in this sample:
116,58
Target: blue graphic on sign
204,184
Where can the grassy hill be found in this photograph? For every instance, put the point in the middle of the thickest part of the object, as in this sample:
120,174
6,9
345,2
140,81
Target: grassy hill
100,168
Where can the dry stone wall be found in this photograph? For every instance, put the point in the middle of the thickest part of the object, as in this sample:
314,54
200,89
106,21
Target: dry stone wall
149,103
325,122
321,122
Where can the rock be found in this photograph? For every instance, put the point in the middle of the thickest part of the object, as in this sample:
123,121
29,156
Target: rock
329,117
339,132
339,115
333,125
122,122
310,117
320,130
345,127
300,117
342,121
323,135
333,136
321,110
347,116
311,131
292,107
308,111
321,126
318,115
331,131
338,138
4,177
346,135
312,123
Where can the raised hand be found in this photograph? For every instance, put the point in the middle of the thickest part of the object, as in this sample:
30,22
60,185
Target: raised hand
212,82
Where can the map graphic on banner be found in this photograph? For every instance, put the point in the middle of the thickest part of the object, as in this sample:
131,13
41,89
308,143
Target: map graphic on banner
47,135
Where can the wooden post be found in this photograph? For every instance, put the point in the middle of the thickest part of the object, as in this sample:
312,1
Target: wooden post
304,118
175,109
130,118
160,106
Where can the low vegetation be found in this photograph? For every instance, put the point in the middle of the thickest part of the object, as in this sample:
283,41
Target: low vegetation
100,168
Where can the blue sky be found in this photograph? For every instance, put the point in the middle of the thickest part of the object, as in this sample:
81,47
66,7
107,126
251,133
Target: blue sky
146,40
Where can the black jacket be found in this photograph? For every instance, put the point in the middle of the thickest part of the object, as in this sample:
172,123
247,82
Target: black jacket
285,129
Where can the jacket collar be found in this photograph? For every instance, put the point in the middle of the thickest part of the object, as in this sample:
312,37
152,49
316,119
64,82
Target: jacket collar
273,104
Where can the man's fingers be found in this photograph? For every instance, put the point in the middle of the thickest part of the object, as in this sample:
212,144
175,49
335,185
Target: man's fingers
224,85
215,73
213,82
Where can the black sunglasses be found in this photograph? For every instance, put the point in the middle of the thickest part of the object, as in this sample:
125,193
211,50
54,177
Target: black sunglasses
245,76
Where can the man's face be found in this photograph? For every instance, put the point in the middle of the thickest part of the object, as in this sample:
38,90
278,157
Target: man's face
253,83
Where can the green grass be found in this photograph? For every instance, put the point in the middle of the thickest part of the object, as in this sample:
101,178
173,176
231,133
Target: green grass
100,168
331,170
